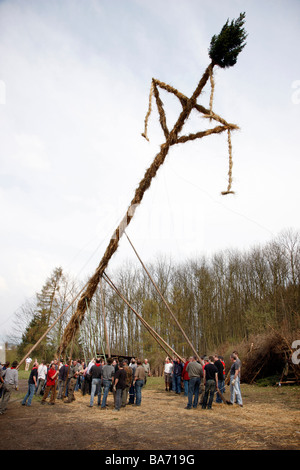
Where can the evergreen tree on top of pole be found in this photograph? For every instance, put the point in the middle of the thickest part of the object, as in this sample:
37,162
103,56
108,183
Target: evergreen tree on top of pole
226,46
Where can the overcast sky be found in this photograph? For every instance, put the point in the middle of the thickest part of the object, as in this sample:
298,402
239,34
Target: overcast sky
74,88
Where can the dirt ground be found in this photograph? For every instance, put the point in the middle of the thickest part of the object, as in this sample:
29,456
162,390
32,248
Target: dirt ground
269,420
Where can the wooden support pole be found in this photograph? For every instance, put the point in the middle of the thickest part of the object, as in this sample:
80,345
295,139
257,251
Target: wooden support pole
50,328
104,321
166,304
162,343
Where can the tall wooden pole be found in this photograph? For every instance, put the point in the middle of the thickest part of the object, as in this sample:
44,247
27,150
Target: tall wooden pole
50,328
162,343
104,321
166,304
145,183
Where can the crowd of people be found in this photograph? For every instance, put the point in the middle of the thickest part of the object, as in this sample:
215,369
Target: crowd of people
59,380
200,379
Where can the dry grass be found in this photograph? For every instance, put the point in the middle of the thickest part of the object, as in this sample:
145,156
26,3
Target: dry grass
269,420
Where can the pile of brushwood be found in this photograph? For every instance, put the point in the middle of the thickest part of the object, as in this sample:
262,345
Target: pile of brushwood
270,355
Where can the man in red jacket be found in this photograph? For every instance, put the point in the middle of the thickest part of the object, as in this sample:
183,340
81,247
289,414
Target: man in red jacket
50,385
185,378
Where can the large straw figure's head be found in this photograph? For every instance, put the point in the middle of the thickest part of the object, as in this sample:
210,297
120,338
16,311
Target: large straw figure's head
226,46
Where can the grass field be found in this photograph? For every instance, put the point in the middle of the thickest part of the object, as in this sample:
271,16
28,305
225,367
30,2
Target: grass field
269,420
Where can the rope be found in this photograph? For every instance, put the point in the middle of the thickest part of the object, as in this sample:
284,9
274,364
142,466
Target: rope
228,191
144,134
212,83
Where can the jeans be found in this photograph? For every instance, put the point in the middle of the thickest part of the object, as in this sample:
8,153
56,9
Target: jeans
210,388
96,390
106,387
131,394
221,387
138,391
186,387
29,394
118,400
86,385
177,379
78,383
235,390
194,384
40,386
173,383
61,384
125,396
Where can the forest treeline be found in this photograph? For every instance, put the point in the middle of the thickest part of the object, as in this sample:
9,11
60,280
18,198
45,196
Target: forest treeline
224,298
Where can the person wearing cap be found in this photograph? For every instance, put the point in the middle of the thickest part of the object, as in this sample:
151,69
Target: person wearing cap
11,382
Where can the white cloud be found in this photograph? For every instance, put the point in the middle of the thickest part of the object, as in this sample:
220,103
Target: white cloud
31,152
3,285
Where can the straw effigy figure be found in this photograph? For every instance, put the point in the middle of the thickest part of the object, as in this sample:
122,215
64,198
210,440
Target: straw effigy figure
223,52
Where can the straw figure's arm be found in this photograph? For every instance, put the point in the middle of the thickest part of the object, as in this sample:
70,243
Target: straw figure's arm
223,51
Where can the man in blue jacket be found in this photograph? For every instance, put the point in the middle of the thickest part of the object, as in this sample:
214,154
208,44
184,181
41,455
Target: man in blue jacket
177,373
